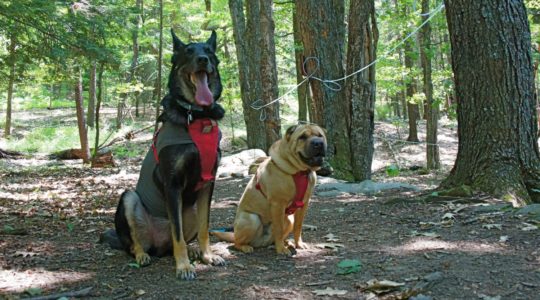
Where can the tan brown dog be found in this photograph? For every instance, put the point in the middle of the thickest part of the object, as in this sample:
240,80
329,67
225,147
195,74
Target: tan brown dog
276,199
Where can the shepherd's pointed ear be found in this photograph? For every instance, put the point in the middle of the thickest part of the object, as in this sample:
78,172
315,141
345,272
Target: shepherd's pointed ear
177,43
212,40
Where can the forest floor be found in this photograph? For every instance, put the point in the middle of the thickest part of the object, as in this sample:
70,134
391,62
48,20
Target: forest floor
393,244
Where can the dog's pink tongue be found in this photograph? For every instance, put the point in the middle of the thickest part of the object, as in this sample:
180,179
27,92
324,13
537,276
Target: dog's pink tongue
203,95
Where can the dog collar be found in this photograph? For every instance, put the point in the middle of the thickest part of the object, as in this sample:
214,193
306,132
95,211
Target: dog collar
189,106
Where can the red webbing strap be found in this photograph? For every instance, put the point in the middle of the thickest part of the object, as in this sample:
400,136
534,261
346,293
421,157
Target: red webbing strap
301,182
205,134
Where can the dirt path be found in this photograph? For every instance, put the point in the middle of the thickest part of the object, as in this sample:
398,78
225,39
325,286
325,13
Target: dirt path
51,215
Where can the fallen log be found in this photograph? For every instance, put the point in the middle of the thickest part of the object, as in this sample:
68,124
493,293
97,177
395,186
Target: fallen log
10,154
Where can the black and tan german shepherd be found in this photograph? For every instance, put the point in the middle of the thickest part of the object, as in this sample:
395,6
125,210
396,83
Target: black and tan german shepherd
170,205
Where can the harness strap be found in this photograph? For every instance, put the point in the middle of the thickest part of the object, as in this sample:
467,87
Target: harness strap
204,133
154,148
301,182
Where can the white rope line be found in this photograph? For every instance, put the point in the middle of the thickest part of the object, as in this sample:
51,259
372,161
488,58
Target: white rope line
337,87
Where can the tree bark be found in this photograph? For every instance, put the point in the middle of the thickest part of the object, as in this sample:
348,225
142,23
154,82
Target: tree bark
493,71
81,122
269,82
323,35
248,72
98,107
412,108
130,79
11,83
432,108
304,98
360,89
159,62
90,114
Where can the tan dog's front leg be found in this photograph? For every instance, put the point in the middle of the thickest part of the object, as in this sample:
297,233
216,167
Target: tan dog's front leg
203,213
297,228
278,230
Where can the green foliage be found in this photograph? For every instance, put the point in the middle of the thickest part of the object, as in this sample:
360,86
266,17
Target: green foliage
383,112
392,170
46,139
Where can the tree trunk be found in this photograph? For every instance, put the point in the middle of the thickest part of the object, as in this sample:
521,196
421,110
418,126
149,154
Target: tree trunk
248,71
159,62
360,89
11,82
323,35
412,108
432,108
268,73
81,123
493,71
304,99
90,114
98,107
130,78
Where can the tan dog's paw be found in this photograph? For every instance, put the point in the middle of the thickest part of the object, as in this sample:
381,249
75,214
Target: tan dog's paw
284,251
301,245
142,259
212,259
185,272
244,248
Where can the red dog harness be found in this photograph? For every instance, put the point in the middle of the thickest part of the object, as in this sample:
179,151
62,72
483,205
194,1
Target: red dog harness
301,182
205,135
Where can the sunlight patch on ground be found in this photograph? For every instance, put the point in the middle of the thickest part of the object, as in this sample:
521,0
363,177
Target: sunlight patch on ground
421,244
18,281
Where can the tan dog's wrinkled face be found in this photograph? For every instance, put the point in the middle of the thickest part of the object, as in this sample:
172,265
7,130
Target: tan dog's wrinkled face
307,143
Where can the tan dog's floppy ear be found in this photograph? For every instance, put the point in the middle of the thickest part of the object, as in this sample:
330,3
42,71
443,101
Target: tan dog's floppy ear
290,131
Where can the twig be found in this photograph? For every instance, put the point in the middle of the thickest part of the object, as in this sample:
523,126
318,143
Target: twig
318,283
79,293
125,137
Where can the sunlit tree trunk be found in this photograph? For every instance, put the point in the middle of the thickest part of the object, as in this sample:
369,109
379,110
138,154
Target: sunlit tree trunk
304,99
248,71
159,62
493,71
98,107
269,84
90,114
81,122
323,36
432,108
11,83
360,89
412,108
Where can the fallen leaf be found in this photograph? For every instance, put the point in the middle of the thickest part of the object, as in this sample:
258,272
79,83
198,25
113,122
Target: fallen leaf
349,266
427,234
486,297
134,265
333,246
492,226
503,238
448,216
528,227
331,238
382,286
329,292
309,227
24,254
140,292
